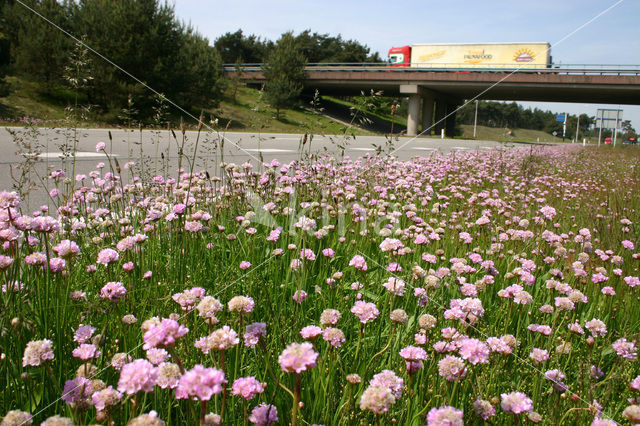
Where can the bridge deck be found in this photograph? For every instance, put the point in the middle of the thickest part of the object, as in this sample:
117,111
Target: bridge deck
545,85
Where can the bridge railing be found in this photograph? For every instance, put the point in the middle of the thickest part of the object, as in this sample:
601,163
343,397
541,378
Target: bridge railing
566,69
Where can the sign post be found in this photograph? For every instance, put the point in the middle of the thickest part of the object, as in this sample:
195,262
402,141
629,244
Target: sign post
563,119
609,119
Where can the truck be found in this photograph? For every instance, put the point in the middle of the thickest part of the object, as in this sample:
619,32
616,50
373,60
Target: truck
472,55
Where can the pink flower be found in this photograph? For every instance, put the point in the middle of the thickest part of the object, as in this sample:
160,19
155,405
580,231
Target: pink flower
625,348
247,387
596,327
264,414
395,286
330,317
484,409
100,146
200,383
334,336
394,267
297,357
77,390
307,254
391,244
542,329
37,352
608,291
220,340
628,245
452,368
328,252
164,334
66,248
413,353
244,265
365,311
516,402
136,376
310,332
86,352
105,397
295,264
299,296
83,333
241,304
445,416
157,356
358,262
632,281
377,399
389,379
548,212
107,256
57,264
539,355
274,235
113,291
474,351
254,332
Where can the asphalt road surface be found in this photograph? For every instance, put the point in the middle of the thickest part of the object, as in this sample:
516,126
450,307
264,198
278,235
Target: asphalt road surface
159,150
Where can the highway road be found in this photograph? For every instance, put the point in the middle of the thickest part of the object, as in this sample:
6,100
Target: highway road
159,150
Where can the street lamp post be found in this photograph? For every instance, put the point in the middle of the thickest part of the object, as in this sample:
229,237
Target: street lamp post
475,120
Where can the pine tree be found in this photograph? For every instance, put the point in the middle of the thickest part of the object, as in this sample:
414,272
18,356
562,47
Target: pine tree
284,74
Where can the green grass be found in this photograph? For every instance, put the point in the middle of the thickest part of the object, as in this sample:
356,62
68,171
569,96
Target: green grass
375,208
248,112
501,135
25,99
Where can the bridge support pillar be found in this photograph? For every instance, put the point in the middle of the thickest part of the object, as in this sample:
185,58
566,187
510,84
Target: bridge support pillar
413,114
415,93
427,114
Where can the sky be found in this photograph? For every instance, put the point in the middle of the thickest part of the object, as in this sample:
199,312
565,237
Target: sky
580,31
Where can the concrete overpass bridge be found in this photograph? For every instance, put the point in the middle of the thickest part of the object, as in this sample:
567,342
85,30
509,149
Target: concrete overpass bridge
435,93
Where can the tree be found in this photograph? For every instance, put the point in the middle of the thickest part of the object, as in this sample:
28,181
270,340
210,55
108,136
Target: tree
284,74
5,47
39,49
236,46
201,83
324,48
627,129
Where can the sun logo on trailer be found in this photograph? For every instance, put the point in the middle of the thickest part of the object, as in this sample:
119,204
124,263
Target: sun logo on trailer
524,55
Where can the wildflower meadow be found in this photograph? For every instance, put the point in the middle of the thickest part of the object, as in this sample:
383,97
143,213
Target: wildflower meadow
496,286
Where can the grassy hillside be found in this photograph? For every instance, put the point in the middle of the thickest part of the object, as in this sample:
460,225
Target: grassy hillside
501,134
246,111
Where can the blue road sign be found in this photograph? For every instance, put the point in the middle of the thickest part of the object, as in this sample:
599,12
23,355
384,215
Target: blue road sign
561,117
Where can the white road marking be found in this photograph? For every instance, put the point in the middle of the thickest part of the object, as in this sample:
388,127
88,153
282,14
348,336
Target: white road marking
459,147
269,150
360,149
78,154
423,148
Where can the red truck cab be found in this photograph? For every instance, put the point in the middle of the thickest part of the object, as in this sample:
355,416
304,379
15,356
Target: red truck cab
399,56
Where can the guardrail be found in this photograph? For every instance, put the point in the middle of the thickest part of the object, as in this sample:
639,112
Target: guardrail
566,69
